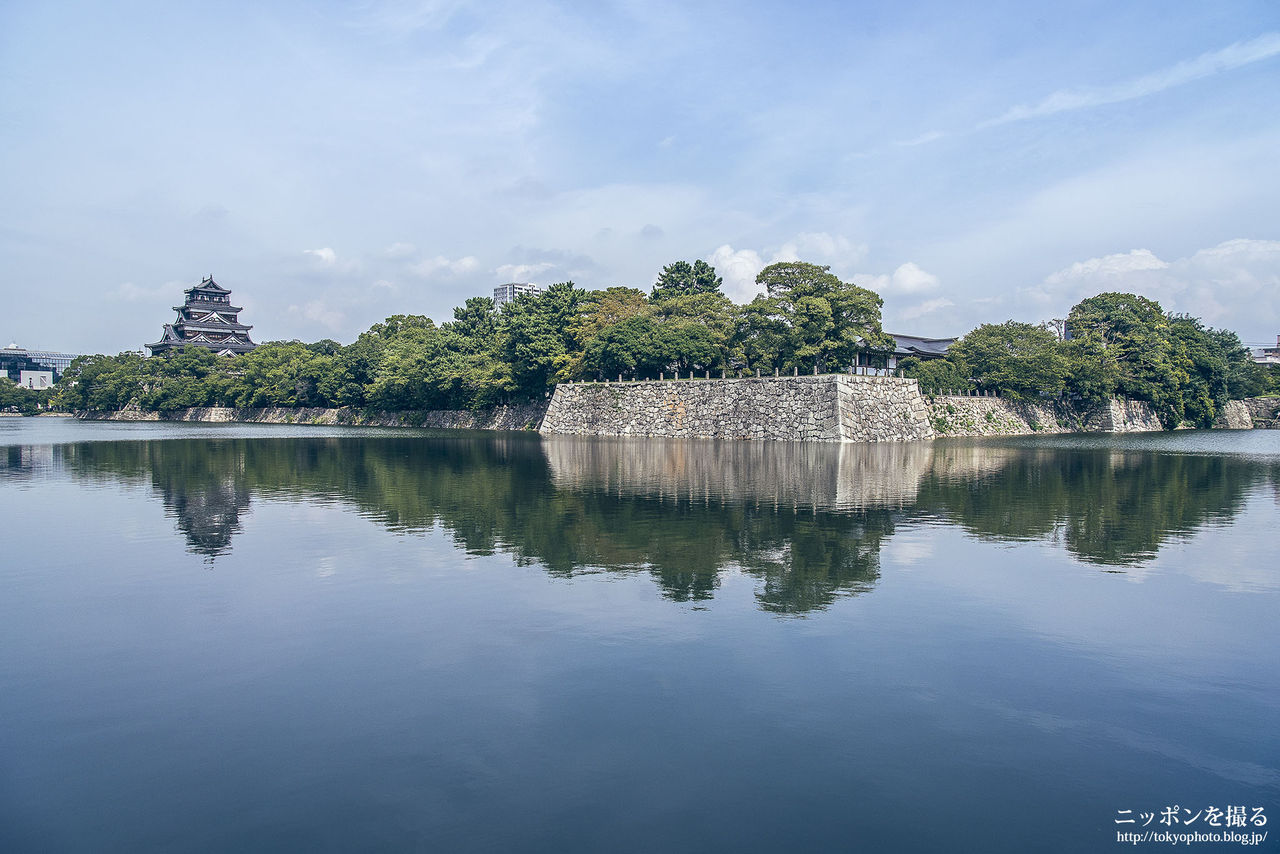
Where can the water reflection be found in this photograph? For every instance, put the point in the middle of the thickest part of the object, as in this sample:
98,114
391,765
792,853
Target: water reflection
807,521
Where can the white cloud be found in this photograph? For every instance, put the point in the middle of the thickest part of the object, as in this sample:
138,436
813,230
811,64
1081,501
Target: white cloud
429,267
1108,267
325,256
821,248
1234,56
926,307
909,278
522,272
129,292
738,268
1235,285
318,311
928,136
327,259
398,251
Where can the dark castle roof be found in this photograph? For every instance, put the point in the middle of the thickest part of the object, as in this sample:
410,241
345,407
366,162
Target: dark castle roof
203,299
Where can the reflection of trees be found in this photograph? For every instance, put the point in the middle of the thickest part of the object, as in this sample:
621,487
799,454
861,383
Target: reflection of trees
1109,506
806,521
200,484
497,495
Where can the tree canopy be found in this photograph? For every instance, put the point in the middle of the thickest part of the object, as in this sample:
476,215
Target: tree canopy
806,318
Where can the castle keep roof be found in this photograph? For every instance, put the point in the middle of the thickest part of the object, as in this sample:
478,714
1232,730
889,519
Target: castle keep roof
206,319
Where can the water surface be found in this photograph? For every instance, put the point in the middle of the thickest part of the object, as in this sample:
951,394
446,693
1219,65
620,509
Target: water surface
219,637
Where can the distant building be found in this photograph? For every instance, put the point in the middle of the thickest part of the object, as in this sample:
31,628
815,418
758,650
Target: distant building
207,319
508,292
904,346
33,368
1267,355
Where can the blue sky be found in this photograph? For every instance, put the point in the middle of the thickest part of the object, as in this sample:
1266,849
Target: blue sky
336,163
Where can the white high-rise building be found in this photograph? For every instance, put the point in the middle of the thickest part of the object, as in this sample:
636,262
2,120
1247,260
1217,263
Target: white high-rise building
506,293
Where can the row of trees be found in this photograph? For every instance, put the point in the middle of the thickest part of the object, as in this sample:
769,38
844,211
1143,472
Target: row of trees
806,318
27,401
1117,345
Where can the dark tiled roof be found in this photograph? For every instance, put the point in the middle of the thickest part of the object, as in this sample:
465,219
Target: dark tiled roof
914,345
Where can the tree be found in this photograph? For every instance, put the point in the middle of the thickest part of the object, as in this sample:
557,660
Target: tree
538,337
631,347
682,279
1134,332
810,318
1018,359
937,375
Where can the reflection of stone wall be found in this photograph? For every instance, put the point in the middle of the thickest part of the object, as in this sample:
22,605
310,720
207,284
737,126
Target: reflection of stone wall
955,415
820,475
824,408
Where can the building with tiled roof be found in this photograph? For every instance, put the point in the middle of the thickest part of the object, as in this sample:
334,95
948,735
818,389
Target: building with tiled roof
207,319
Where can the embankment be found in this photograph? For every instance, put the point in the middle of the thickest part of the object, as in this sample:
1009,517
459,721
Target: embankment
1264,411
822,408
953,415
525,416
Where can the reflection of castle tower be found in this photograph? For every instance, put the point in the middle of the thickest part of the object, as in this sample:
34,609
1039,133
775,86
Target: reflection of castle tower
208,513
206,319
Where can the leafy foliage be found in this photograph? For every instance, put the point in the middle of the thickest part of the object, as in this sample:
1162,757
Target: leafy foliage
809,318
1022,360
806,318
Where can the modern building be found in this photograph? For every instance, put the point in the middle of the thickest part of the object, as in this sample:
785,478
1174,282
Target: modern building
207,319
506,293
904,346
1267,355
33,368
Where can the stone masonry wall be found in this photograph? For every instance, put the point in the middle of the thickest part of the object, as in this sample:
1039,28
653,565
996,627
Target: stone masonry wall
1264,411
823,408
955,415
1234,416
520,417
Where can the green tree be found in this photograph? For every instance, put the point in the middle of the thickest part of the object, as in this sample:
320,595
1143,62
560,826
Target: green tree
539,337
937,376
101,383
1135,333
631,347
808,318
683,279
1018,359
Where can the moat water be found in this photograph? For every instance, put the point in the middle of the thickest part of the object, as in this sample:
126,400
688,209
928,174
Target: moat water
235,638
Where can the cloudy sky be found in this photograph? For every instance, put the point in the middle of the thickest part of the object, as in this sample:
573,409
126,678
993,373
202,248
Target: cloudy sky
334,163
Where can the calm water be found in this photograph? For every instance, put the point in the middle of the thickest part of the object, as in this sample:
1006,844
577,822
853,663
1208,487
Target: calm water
267,638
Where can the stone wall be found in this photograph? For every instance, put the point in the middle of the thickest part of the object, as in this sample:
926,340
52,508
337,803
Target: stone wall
822,408
1234,416
956,415
519,417
1264,411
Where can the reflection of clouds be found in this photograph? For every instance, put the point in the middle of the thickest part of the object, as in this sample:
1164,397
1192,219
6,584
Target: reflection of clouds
1217,555
1247,773
906,549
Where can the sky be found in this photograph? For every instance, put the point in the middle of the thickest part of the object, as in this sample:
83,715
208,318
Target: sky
336,163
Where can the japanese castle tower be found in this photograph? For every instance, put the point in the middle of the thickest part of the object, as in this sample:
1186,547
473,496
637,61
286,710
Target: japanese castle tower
207,319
